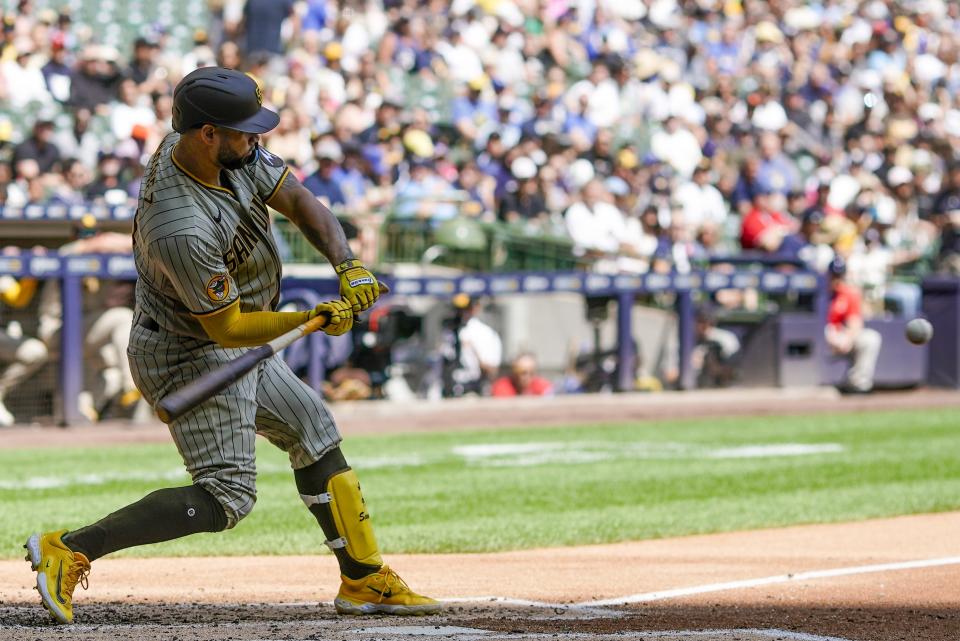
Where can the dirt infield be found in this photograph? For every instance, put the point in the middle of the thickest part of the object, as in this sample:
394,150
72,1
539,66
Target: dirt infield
879,580
876,580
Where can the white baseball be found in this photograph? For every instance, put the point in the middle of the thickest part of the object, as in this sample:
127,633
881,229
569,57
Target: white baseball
919,331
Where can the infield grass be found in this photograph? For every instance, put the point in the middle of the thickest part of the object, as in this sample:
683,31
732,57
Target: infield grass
508,489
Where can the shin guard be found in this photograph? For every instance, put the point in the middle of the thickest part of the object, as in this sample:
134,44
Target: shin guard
345,502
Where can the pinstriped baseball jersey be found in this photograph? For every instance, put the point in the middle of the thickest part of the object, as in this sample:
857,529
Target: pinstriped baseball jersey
199,247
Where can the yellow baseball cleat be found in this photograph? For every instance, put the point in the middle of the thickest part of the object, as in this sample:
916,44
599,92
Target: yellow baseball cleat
382,592
58,569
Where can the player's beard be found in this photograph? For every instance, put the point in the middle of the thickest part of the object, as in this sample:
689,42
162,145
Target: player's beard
229,159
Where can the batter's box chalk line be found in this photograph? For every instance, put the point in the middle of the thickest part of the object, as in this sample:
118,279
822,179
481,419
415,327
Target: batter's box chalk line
595,607
469,634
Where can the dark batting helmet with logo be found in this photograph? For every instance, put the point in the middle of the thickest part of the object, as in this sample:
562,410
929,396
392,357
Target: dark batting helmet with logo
221,97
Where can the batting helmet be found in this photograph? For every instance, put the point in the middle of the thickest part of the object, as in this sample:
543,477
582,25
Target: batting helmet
221,97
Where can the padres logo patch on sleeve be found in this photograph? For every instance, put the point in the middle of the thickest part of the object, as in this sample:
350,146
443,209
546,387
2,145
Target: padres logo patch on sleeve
218,288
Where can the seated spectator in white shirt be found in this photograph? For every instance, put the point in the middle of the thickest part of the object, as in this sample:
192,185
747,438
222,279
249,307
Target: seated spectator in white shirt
129,111
594,223
702,202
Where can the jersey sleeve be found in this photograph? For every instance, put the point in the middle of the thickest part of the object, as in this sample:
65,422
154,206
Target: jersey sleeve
268,172
195,268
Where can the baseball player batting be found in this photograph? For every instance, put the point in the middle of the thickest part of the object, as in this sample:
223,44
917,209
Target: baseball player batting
209,282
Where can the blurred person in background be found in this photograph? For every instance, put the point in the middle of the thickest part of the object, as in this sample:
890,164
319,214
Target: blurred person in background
262,25
129,109
95,82
323,184
147,76
24,81
58,71
768,229
473,112
596,226
714,355
471,350
846,334
72,189
79,141
39,147
108,181
478,188
20,356
946,215
524,203
522,380
425,195
107,317
702,202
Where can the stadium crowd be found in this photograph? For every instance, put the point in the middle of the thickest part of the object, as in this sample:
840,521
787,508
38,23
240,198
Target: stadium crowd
655,134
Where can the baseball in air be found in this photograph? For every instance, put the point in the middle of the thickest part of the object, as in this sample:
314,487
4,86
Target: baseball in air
919,331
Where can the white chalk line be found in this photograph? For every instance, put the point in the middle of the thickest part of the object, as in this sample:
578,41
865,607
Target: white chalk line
591,607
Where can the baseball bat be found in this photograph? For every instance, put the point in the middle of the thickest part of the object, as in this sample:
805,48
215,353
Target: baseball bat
175,405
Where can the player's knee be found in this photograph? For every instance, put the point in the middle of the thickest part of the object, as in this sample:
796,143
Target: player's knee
239,507
235,499
32,352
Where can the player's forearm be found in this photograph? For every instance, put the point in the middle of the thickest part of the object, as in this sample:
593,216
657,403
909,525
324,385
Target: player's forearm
321,228
232,328
315,221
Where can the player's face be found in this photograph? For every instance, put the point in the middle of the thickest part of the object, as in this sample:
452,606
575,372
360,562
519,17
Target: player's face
235,148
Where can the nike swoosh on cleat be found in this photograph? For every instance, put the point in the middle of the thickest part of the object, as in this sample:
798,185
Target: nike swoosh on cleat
385,595
59,576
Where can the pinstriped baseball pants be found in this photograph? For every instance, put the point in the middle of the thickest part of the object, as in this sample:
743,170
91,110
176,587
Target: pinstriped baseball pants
216,439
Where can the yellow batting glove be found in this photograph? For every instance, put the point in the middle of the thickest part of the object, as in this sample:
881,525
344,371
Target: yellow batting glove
340,317
357,285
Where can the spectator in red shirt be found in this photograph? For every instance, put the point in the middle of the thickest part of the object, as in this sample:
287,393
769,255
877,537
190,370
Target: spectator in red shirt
846,334
766,229
523,379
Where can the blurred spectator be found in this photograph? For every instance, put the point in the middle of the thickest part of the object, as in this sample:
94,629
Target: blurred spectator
107,316
262,23
425,195
130,110
946,212
146,75
472,350
714,356
96,80
522,380
20,356
24,80
79,141
472,112
846,334
39,147
767,228
525,202
702,202
72,190
58,72
323,184
108,179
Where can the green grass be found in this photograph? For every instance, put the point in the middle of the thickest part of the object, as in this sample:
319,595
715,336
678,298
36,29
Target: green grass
588,484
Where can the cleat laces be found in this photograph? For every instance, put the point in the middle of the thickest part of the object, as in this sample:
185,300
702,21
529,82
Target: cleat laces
77,573
392,583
